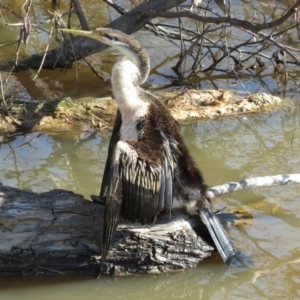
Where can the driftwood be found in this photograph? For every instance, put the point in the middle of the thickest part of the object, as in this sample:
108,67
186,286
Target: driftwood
59,233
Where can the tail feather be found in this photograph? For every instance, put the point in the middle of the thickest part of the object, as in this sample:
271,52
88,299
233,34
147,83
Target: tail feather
224,245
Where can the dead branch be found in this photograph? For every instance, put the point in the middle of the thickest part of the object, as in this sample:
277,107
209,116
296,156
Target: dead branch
61,57
5,104
207,54
80,15
255,28
252,183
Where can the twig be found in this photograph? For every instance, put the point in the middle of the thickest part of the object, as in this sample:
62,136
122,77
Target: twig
46,51
280,46
218,20
93,69
117,7
5,104
25,29
11,11
80,15
55,271
250,183
183,56
8,44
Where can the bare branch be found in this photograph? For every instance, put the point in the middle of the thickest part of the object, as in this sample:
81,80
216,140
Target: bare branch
11,11
117,7
252,183
5,104
80,15
254,27
47,47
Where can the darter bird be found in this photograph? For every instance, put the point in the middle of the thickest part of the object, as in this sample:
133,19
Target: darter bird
149,168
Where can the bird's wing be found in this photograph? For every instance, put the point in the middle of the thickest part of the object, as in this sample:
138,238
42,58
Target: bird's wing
113,204
114,139
170,151
223,243
138,188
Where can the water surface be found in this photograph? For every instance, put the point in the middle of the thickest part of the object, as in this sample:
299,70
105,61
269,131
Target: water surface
229,149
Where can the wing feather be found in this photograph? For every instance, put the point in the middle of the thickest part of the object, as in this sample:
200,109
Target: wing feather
113,141
113,206
169,188
170,151
161,200
135,189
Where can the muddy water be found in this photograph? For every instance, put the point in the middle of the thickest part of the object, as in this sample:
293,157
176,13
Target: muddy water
227,149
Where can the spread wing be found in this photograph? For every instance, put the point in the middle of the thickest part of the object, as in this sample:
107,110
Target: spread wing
139,186
113,141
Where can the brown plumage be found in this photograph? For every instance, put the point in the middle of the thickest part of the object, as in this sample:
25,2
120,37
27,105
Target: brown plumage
148,168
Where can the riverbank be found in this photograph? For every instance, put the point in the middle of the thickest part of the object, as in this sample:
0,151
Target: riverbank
191,106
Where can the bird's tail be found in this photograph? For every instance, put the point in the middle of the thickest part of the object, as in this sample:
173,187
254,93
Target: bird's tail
224,245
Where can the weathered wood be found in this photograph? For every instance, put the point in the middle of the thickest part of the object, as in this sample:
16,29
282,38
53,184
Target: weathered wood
163,247
56,231
59,233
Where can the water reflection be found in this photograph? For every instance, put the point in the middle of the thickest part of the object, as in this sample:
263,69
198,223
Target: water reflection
211,281
40,162
227,149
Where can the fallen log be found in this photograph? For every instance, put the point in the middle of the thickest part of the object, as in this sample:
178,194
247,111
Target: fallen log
59,233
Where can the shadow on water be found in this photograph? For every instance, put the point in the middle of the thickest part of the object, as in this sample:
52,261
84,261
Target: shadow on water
40,161
190,284
211,280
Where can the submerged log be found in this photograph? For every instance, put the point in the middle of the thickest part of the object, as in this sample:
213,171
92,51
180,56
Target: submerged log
59,233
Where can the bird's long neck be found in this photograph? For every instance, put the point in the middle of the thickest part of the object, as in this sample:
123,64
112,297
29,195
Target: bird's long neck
138,56
127,75
124,75
128,97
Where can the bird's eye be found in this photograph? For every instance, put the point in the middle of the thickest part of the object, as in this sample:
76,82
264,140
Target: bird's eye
140,125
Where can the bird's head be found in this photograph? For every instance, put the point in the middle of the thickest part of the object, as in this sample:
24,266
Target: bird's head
132,49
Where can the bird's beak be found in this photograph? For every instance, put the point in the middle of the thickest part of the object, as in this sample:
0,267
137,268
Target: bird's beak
94,34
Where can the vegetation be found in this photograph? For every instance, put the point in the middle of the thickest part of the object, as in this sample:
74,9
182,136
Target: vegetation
213,38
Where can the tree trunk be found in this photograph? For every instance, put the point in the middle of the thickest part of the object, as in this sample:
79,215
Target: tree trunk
64,55
59,233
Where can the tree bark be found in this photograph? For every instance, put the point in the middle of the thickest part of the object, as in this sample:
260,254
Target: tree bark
64,55
59,233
